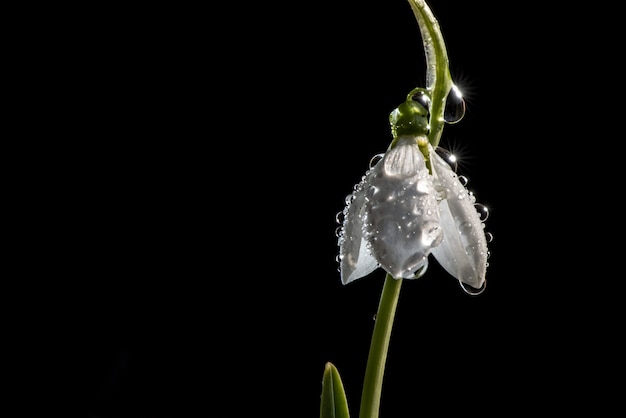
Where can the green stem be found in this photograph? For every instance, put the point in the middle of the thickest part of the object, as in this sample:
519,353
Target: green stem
372,385
438,78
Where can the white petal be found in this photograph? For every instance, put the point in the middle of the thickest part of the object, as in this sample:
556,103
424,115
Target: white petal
356,259
463,251
401,219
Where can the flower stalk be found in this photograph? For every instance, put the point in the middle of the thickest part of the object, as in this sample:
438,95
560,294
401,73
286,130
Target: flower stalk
375,369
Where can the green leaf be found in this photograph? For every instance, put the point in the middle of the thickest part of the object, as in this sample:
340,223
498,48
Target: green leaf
334,403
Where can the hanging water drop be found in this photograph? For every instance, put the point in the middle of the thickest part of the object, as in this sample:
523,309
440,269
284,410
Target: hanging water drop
422,270
483,211
375,159
470,290
455,106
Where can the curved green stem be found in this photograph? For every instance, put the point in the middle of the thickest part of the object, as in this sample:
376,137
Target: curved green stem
372,385
438,78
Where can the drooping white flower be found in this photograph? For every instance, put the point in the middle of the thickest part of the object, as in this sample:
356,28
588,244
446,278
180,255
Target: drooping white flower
400,213
391,220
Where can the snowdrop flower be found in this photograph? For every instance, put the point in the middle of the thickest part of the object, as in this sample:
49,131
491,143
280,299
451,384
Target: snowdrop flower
409,204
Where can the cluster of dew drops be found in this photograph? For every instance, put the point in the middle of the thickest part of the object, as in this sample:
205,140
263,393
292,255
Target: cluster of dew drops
453,113
450,158
341,215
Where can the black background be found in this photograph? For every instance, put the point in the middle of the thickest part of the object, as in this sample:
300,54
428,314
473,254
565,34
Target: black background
226,143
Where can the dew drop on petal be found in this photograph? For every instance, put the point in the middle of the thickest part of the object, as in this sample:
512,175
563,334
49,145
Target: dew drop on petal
464,180
471,249
371,192
489,236
375,159
483,211
470,290
465,227
424,186
339,217
419,273
431,234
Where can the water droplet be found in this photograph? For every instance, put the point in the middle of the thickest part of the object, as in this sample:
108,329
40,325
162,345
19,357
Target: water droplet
375,159
483,212
455,106
339,217
424,186
422,98
470,290
419,273
489,236
371,192
471,249
374,317
448,157
465,227
339,232
464,180
431,234
349,199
